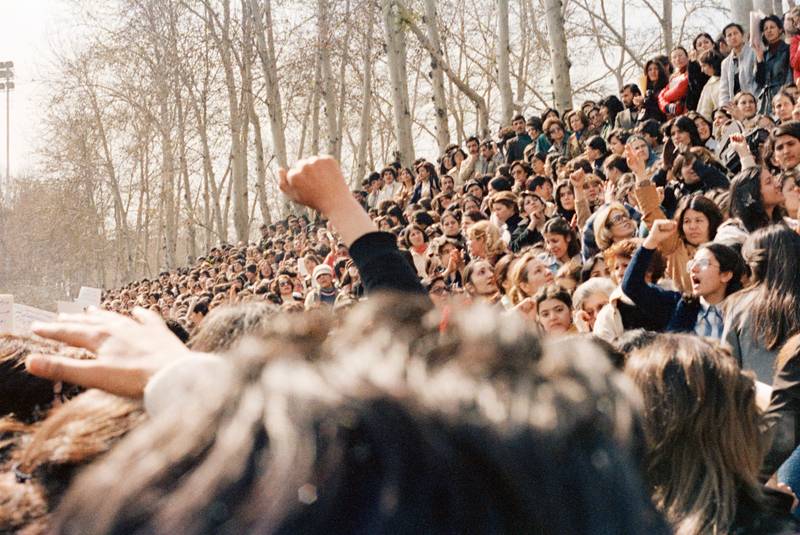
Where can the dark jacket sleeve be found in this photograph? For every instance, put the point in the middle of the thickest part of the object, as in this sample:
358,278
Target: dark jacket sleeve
660,303
710,176
523,236
381,265
782,421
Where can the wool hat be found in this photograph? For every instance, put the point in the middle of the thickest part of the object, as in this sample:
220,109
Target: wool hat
321,269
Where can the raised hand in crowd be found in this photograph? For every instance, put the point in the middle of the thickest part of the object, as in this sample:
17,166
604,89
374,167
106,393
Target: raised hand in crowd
317,182
129,350
661,230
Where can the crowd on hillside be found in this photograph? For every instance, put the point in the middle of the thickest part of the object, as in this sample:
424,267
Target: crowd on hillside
659,227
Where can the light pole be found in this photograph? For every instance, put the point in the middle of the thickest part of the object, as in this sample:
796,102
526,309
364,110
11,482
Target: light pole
7,83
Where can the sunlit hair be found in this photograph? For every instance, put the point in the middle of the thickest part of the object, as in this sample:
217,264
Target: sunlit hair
384,435
226,325
701,425
519,275
488,231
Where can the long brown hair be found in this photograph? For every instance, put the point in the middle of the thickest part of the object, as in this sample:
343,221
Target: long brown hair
773,254
702,431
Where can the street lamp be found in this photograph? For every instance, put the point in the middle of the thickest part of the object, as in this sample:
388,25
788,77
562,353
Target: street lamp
7,83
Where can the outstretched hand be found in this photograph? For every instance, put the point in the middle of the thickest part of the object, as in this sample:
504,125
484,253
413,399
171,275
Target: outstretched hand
129,351
635,162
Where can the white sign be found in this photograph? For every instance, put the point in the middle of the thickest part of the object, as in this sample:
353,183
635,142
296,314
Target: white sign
89,296
24,315
68,307
6,313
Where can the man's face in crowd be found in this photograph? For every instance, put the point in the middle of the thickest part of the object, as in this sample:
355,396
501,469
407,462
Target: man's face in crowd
545,191
472,147
733,37
787,152
281,228
487,152
518,126
627,97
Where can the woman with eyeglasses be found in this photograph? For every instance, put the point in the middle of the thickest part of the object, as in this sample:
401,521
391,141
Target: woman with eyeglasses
613,224
557,135
715,272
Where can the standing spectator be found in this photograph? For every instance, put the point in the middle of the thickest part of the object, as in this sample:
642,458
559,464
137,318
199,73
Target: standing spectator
516,147
792,27
711,64
490,159
697,76
655,80
391,187
772,63
672,99
324,292
739,68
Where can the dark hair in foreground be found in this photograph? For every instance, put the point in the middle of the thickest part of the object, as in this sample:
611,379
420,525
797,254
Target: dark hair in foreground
399,428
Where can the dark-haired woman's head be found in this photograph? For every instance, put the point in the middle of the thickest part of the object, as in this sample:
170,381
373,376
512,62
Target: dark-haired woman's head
756,198
698,220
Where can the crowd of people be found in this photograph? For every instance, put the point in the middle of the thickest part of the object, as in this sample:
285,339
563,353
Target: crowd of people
592,326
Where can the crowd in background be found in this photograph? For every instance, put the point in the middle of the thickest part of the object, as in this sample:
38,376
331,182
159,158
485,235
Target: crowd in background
659,226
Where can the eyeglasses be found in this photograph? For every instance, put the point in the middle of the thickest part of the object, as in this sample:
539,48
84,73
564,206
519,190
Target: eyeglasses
701,263
617,218
284,283
554,130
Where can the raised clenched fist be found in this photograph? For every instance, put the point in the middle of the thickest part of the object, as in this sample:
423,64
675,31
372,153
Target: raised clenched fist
316,182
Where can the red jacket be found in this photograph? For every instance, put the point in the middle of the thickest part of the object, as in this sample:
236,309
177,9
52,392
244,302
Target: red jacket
794,57
675,93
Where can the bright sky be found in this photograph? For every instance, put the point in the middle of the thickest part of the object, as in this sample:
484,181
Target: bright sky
27,29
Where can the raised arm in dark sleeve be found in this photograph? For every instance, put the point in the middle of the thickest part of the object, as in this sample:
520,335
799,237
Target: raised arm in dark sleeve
382,266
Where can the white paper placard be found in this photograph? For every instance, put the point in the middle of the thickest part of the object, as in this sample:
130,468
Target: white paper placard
69,307
89,296
24,315
6,313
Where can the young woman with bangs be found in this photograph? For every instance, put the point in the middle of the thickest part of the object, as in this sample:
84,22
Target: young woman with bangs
715,272
528,275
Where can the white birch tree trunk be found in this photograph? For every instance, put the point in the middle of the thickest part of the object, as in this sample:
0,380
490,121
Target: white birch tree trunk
265,45
437,78
666,25
328,88
398,75
559,62
740,12
365,123
503,64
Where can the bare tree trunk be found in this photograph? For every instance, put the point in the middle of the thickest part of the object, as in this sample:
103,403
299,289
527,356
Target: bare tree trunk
437,78
328,90
503,68
266,52
740,11
666,25
191,220
557,41
364,133
345,59
763,5
315,108
479,101
396,58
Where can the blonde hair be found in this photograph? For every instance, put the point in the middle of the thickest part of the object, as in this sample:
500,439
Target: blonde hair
602,234
495,247
520,274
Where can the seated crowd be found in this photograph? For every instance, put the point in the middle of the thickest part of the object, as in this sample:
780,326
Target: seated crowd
592,326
